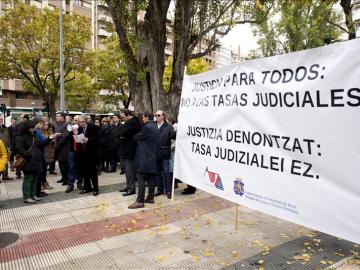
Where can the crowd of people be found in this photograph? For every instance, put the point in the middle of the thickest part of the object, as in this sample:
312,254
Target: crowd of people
143,145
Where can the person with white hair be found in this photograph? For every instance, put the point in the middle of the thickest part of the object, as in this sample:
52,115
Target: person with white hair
87,154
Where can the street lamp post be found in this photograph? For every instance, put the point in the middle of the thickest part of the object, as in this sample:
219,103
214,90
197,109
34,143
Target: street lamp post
62,107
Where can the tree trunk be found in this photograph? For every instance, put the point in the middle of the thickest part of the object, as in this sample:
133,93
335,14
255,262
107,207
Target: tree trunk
346,6
183,11
146,68
52,108
152,53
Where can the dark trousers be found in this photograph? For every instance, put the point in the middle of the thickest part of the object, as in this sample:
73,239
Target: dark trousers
18,173
74,169
89,173
141,178
113,159
163,180
29,185
130,174
41,179
64,169
122,166
6,172
52,166
105,159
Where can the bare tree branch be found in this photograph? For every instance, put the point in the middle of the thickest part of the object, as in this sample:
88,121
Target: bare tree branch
339,26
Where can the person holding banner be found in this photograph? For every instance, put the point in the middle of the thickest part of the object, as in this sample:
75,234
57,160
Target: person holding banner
166,134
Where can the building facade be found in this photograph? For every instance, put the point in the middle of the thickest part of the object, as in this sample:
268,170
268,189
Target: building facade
19,101
12,93
226,56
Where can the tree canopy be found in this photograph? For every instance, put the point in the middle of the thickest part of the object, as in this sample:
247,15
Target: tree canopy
111,73
29,48
298,25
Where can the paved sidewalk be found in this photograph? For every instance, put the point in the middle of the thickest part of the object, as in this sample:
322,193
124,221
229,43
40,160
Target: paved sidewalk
72,231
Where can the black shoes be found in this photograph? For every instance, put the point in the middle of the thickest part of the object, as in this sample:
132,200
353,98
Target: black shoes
158,193
122,172
129,193
69,188
124,189
95,193
187,192
80,187
168,195
85,191
147,200
60,181
54,173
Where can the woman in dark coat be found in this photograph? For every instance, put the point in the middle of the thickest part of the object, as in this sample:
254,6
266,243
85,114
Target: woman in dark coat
146,160
28,145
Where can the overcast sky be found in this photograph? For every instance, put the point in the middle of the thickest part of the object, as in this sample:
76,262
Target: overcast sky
240,35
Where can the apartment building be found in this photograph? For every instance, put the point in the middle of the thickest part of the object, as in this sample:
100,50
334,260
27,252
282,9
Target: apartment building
19,101
226,56
11,91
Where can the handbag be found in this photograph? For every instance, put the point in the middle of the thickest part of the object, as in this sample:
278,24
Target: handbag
19,160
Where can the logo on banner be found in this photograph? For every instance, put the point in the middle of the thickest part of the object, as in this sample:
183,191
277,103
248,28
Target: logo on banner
239,187
214,179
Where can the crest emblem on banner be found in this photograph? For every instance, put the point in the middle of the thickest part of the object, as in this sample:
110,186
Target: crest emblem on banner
214,179
239,187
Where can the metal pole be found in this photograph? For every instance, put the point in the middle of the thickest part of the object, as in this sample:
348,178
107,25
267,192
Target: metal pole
62,107
237,217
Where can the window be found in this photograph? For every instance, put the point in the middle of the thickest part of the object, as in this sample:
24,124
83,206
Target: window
86,4
20,95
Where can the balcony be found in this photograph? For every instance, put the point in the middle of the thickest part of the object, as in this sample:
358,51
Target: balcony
101,3
105,17
103,33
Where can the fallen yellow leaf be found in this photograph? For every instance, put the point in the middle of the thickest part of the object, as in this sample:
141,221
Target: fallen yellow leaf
161,258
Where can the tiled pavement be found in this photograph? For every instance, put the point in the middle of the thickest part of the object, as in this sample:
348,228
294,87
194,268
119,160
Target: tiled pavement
72,231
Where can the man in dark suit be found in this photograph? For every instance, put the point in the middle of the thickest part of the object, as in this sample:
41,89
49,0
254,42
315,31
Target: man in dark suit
87,151
114,142
146,160
62,147
166,134
128,147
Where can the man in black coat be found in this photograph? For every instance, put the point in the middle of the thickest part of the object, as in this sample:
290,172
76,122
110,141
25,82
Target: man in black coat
127,148
166,134
146,160
23,118
114,142
62,147
88,157
105,140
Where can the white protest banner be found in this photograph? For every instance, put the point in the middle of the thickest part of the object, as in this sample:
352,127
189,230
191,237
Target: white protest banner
280,135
